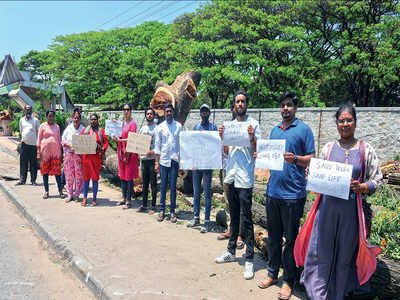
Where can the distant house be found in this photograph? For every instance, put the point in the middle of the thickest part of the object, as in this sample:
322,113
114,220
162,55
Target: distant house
20,87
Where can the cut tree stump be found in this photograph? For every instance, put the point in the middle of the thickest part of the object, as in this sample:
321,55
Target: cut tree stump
180,94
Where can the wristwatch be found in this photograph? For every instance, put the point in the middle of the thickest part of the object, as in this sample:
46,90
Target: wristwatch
295,160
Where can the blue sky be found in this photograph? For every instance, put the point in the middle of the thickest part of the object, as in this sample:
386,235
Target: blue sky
32,25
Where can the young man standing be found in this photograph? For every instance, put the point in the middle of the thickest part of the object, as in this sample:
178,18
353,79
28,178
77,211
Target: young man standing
240,178
205,175
148,162
286,195
167,159
29,129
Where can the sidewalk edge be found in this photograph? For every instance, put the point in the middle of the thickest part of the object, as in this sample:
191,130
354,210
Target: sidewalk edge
80,267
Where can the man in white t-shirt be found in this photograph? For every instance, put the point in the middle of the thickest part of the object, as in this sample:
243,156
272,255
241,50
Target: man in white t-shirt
28,128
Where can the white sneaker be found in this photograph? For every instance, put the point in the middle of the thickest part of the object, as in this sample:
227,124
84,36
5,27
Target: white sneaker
225,257
248,270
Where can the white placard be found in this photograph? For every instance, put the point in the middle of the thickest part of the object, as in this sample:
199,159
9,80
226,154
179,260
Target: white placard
84,144
270,154
138,143
113,128
236,134
201,150
329,178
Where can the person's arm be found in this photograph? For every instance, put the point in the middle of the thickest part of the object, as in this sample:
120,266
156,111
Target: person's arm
20,128
157,148
39,140
302,161
105,140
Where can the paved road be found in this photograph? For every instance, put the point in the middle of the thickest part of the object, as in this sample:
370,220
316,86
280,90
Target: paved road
27,269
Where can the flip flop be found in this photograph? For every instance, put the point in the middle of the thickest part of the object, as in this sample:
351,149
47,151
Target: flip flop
266,283
285,292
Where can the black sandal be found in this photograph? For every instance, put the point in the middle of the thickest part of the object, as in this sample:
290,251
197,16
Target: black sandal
127,205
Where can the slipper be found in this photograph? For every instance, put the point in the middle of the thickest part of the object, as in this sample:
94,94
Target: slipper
266,283
285,293
239,245
223,236
119,203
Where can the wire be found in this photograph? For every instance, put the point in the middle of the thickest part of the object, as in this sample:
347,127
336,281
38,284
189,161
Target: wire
174,12
135,15
151,13
120,14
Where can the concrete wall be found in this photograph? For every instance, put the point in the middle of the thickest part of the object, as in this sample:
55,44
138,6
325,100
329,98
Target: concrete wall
379,126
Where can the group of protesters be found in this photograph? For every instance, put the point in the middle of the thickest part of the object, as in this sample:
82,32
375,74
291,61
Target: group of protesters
331,244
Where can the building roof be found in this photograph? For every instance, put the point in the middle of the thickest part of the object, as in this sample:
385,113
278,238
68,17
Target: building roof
9,72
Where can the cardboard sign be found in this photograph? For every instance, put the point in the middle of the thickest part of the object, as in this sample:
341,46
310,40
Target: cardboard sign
113,128
84,144
270,154
138,143
329,178
200,150
236,134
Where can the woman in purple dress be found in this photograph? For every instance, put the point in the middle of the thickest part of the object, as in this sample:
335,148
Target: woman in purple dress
330,270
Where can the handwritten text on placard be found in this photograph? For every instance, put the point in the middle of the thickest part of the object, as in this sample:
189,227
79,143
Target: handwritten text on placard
113,128
329,178
84,144
200,150
270,154
138,143
236,134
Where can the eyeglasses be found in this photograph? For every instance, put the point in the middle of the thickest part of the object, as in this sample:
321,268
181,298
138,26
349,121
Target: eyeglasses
348,120
127,109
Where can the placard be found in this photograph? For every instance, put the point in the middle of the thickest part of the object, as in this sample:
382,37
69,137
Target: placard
236,134
138,143
84,144
200,150
270,154
329,178
113,128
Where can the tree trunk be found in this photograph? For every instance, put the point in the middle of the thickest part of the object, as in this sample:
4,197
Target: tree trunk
180,94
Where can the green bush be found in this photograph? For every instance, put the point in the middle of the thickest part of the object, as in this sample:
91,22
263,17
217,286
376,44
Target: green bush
385,231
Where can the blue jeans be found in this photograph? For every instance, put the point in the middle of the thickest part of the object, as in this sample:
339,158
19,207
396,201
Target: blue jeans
198,175
168,175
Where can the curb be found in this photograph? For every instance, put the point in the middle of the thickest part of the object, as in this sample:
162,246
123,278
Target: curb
80,267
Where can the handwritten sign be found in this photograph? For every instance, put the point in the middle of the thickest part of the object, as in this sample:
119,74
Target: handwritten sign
236,134
84,144
138,143
113,128
200,150
329,178
270,154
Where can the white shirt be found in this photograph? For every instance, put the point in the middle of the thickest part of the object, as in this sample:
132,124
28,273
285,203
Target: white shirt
29,130
240,163
68,133
166,142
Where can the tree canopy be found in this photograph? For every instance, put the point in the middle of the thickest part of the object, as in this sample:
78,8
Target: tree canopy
327,52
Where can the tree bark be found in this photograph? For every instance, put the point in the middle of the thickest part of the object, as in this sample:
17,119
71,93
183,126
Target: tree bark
180,94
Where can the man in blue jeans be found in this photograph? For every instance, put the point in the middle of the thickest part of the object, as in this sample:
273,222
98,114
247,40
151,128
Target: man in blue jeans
167,159
206,175
286,195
